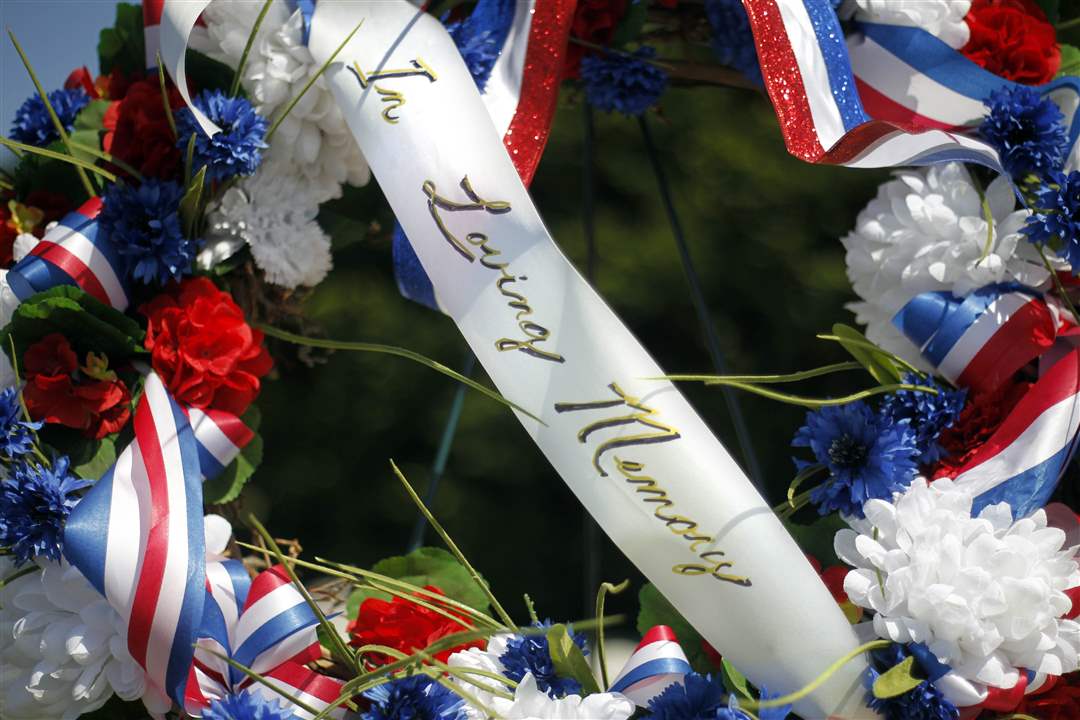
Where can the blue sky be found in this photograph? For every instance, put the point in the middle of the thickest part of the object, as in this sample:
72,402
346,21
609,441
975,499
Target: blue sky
57,35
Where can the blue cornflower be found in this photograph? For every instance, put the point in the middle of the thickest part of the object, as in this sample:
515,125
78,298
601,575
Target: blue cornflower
927,414
1026,129
237,149
1056,216
924,702
530,654
34,505
627,83
416,697
16,434
33,125
248,705
479,37
776,713
733,42
868,455
698,697
143,224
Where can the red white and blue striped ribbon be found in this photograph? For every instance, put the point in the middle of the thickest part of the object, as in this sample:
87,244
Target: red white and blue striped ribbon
808,75
520,95
907,76
266,626
656,663
152,30
138,537
74,252
220,437
981,340
1022,462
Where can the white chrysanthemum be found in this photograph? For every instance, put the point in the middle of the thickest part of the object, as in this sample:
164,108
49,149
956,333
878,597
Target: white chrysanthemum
985,594
314,136
926,231
62,646
272,212
25,242
942,18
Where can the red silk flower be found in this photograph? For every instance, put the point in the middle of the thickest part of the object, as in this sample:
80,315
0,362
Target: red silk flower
406,626
1061,702
594,22
137,130
980,418
59,391
1014,40
203,349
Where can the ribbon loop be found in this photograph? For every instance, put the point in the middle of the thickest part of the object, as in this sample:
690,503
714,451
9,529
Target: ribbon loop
656,663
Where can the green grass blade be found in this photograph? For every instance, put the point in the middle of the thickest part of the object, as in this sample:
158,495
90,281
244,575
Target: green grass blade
871,346
399,352
87,185
261,680
107,157
814,403
310,82
165,97
62,157
765,379
239,74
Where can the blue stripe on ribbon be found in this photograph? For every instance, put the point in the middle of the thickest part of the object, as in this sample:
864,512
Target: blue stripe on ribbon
412,280
830,37
928,661
241,581
1031,489
208,464
945,66
213,624
86,532
182,651
921,317
653,668
957,322
91,230
272,632
34,274
488,25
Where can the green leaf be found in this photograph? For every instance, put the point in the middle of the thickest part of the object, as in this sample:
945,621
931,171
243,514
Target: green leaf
121,47
734,680
88,324
205,72
191,203
103,459
629,29
568,659
422,567
816,539
878,364
897,680
656,610
34,172
227,486
88,137
92,117
1052,8
1070,60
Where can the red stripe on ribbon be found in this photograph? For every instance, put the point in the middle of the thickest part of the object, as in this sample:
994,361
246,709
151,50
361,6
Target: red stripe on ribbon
157,542
527,135
783,80
1005,700
75,268
300,678
1028,333
882,107
231,426
152,12
266,582
657,633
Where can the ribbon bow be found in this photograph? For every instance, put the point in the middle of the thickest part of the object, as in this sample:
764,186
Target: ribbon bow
656,663
265,625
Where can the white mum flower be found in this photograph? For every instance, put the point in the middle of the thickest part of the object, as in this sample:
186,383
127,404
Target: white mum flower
941,18
926,231
274,214
314,136
62,646
985,594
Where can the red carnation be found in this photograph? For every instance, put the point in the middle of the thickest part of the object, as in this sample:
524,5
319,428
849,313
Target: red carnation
406,626
137,130
980,418
1062,702
203,349
57,390
594,22
1014,40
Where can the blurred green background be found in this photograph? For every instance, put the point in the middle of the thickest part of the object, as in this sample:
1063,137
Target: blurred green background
763,229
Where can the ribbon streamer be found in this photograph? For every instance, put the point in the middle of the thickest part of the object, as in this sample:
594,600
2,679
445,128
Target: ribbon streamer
981,340
75,252
656,663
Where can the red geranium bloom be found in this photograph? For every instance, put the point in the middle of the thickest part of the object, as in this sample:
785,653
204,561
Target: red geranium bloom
57,392
595,22
7,233
81,78
1062,702
405,626
1014,40
203,349
980,418
137,130
833,577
